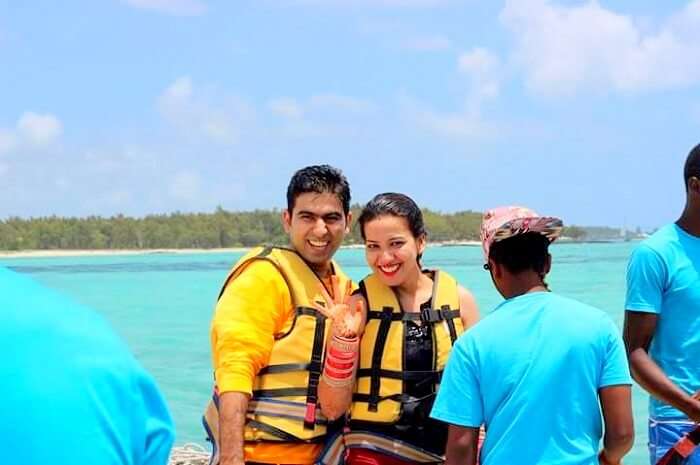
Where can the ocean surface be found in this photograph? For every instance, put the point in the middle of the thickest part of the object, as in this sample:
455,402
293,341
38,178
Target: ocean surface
161,304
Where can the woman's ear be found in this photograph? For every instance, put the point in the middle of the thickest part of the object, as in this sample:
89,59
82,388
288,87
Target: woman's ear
421,242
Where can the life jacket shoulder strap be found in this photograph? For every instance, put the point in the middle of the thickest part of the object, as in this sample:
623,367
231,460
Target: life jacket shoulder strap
446,300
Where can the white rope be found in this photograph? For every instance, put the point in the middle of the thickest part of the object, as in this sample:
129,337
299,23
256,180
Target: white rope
189,454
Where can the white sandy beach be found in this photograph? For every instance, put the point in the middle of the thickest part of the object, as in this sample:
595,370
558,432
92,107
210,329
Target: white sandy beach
109,252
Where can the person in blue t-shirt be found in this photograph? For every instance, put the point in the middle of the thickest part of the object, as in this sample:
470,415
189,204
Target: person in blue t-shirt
662,321
71,391
538,369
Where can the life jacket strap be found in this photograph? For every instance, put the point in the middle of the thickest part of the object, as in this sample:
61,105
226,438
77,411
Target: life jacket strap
450,322
315,368
380,342
427,315
434,376
283,409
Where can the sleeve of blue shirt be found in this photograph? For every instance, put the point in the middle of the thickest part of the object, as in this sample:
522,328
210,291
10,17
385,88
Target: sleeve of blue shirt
156,423
615,370
459,397
646,277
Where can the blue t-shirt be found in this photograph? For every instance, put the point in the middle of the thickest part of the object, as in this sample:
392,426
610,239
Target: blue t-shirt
530,372
71,392
663,278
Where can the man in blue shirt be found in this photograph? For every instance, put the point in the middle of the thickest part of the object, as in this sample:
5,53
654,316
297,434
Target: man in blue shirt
662,322
537,370
71,392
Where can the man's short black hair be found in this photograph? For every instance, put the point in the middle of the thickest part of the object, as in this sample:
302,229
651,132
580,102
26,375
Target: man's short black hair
320,179
523,252
692,165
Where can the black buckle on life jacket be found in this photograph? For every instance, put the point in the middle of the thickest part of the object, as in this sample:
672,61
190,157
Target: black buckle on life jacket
428,315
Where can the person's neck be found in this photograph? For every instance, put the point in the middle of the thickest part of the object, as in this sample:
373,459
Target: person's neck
410,289
322,270
524,283
690,219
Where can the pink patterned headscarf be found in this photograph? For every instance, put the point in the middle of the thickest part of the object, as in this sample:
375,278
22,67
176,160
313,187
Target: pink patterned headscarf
504,222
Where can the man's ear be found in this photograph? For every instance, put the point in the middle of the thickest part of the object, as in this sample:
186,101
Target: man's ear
286,220
548,264
694,185
348,222
496,269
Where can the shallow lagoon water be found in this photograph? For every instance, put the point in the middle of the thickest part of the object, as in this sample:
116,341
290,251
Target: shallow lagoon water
162,305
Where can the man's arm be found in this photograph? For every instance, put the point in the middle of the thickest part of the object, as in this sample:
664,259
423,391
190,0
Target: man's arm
251,310
232,415
616,404
638,333
462,445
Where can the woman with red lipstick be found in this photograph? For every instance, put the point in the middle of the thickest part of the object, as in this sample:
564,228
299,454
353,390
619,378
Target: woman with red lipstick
410,319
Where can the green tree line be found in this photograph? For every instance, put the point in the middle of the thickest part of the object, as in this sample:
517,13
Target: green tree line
195,230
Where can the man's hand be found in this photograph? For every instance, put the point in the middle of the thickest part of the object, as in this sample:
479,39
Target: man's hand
603,460
693,407
345,320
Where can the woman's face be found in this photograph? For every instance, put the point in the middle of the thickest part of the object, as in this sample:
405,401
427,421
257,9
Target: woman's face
391,250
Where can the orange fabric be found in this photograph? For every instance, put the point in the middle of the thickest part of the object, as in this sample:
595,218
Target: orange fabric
268,452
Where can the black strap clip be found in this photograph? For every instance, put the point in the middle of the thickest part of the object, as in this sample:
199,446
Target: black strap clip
429,315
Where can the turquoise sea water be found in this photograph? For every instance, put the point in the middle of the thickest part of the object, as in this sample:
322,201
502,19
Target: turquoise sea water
162,304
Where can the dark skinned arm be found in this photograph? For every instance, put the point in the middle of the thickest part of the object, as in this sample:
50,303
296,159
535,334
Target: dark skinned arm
616,404
232,414
638,333
462,445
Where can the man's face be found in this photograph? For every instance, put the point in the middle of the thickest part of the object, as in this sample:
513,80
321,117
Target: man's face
316,227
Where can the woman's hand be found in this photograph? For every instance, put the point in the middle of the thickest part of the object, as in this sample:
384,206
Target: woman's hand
345,320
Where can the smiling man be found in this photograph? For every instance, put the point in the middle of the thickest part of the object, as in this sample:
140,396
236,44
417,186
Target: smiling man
268,339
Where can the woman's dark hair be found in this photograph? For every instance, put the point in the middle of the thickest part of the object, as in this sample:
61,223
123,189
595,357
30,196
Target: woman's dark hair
522,252
394,204
320,179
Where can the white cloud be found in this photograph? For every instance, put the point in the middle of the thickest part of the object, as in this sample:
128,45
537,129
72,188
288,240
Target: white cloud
563,49
32,130
180,89
428,44
338,105
185,185
171,7
8,141
376,3
483,68
464,124
483,71
286,107
321,114
218,117
39,129
341,103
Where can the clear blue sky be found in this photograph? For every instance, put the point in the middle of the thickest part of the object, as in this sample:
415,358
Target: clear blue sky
585,110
